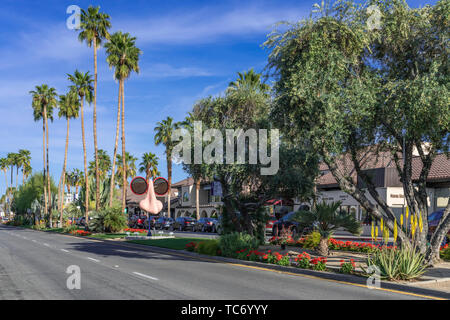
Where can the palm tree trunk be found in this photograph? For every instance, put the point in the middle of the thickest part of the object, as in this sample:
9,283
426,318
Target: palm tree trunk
64,175
86,177
97,180
169,179
322,249
49,192
197,197
6,178
43,163
111,188
124,162
17,174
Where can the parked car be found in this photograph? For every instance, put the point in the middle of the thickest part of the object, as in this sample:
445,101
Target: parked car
164,223
81,222
184,223
206,225
269,224
286,221
433,221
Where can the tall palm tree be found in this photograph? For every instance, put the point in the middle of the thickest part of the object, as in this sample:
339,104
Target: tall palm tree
24,161
26,171
4,166
149,165
104,165
250,81
82,83
164,131
94,30
69,107
13,160
75,179
123,56
44,100
130,166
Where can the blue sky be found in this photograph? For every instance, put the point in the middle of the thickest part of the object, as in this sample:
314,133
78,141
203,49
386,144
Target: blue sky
191,49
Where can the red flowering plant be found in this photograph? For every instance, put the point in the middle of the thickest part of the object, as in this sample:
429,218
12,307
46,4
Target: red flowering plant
334,244
81,233
275,240
132,230
319,264
191,246
347,267
445,252
302,260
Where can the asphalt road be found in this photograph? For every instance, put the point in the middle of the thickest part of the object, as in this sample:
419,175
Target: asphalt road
33,266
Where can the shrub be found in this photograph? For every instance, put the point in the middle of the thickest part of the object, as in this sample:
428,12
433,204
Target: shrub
347,267
398,264
284,261
208,247
39,226
312,240
303,260
445,252
110,220
191,246
70,228
231,243
319,264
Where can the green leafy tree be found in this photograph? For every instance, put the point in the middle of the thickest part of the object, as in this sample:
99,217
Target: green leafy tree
354,94
94,30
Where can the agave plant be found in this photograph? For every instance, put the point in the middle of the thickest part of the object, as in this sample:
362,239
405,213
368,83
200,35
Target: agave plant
398,264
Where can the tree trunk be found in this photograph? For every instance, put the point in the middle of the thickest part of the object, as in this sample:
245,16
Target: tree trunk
169,179
111,188
43,163
124,162
64,176
322,249
49,192
432,254
197,197
86,177
97,180
6,192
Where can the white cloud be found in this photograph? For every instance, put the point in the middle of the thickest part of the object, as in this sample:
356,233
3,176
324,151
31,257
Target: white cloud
206,25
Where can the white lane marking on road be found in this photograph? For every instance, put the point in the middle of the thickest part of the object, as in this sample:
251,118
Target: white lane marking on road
145,276
64,250
46,244
34,241
93,259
